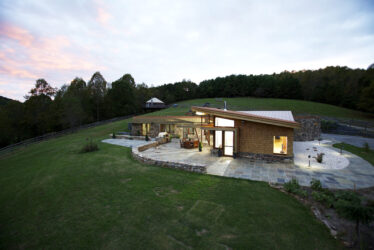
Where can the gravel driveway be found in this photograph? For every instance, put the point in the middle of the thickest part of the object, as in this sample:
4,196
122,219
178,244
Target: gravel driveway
357,141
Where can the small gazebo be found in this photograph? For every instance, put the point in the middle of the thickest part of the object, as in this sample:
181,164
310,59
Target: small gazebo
154,103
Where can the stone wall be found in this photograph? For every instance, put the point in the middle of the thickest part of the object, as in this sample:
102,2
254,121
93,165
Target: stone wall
147,146
154,130
310,128
136,129
268,158
166,164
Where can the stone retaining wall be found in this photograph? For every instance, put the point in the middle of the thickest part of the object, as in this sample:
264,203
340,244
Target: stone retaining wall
267,158
310,128
167,164
147,146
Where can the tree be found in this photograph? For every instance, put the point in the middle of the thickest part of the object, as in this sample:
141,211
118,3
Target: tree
42,87
352,209
121,97
97,90
366,102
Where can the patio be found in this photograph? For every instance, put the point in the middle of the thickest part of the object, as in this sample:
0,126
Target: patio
357,174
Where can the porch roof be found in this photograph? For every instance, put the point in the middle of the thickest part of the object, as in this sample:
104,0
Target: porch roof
167,119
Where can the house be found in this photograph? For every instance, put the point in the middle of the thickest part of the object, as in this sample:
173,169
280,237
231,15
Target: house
154,103
265,135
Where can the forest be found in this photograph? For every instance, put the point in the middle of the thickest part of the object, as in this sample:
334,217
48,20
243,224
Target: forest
48,109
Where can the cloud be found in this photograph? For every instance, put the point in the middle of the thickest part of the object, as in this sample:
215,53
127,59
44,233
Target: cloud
22,36
165,41
103,16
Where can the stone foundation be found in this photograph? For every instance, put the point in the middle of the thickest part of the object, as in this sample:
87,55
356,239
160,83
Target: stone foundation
310,128
267,158
166,164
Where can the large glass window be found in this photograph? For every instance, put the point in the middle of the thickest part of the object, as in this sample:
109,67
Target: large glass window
145,128
280,145
222,122
218,139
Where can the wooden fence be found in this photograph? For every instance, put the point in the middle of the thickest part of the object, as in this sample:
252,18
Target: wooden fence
59,133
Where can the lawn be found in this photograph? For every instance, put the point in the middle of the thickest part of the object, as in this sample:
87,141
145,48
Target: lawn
369,156
54,197
250,103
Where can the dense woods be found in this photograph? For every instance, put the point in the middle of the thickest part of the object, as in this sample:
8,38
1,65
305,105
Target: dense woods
48,109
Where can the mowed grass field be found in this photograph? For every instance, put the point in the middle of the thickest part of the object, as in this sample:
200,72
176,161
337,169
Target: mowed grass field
298,107
52,196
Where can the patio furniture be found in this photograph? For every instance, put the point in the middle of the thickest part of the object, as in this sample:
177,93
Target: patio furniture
189,143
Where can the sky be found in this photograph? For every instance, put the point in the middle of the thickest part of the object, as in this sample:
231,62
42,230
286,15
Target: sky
160,42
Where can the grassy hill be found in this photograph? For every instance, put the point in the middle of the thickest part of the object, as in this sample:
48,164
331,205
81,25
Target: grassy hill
249,103
52,196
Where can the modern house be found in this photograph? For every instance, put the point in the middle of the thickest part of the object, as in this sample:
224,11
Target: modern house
154,103
266,135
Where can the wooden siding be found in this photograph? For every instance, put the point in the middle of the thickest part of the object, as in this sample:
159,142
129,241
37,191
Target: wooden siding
258,138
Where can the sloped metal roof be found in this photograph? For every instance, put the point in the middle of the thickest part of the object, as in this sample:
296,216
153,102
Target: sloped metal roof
248,116
282,115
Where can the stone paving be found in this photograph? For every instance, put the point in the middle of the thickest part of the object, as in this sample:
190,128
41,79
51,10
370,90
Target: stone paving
358,174
126,142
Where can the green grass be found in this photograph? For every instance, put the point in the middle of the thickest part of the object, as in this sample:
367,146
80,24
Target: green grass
250,103
369,156
52,196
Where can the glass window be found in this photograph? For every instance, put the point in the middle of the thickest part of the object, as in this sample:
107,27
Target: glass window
280,145
145,128
229,142
218,139
221,122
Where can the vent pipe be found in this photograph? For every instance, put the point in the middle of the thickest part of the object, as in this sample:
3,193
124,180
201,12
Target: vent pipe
225,108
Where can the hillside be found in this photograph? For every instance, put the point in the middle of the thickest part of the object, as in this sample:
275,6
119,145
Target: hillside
298,107
52,196
4,100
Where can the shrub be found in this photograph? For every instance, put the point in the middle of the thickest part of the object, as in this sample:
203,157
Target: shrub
348,196
319,157
89,147
366,147
325,199
316,185
291,186
114,135
301,192
327,126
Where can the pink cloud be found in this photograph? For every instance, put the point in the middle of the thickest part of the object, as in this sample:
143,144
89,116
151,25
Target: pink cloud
102,15
16,72
16,33
33,57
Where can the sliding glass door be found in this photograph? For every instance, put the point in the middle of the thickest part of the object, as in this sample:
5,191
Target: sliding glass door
229,143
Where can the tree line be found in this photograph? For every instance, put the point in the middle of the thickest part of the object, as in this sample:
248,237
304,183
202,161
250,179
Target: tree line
48,109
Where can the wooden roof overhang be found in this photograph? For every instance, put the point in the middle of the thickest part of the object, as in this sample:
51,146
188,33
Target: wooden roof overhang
246,117
167,119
